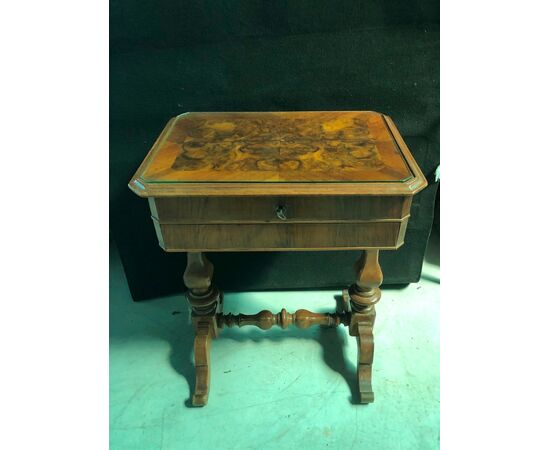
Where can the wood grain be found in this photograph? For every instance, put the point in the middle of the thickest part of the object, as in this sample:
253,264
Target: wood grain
280,237
279,153
198,273
266,319
280,181
363,295
202,210
277,147
365,356
365,292
205,302
203,337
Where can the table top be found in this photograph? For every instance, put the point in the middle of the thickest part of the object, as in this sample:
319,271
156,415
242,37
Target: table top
279,153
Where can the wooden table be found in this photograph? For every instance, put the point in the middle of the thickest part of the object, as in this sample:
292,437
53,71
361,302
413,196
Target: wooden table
280,181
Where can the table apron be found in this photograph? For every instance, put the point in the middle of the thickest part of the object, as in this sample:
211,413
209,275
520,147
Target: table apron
280,236
202,210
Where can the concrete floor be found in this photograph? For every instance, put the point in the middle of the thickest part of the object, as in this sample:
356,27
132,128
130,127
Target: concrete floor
279,388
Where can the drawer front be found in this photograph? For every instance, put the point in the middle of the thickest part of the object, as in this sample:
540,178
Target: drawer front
287,236
205,210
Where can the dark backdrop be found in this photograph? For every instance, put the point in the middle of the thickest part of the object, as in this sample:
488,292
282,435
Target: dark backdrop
169,57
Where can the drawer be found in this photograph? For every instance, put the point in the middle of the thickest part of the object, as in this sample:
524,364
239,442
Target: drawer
284,236
278,210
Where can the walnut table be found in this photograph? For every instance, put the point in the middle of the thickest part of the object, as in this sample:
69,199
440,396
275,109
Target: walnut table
280,181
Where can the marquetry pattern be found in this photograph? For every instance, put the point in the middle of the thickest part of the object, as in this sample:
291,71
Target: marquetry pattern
277,147
280,181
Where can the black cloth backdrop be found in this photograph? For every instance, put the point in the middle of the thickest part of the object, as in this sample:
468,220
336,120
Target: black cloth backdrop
169,57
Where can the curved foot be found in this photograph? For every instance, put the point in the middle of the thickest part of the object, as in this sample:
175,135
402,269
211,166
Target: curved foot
203,337
365,354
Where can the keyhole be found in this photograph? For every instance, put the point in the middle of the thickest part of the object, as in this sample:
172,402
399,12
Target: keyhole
281,212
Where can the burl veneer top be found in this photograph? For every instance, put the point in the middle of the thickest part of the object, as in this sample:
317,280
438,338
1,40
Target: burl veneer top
244,152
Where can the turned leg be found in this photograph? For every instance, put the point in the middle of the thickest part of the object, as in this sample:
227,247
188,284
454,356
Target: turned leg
364,294
205,302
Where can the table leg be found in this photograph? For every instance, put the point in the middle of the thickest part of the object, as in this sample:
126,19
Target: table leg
204,332
205,302
364,294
